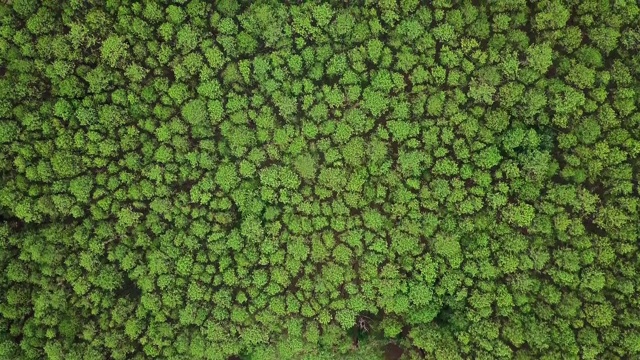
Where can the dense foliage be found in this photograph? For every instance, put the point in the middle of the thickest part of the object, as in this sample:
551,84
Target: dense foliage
198,179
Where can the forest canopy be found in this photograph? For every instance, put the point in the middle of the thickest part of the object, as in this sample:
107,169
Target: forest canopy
269,180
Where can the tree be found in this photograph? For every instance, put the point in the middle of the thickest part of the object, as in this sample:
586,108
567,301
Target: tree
226,177
113,50
66,164
195,112
539,57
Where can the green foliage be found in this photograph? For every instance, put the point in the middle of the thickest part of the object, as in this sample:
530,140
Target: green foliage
226,177
113,50
540,57
195,112
66,164
319,180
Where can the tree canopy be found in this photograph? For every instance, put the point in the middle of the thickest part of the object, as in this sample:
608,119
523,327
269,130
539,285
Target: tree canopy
268,179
